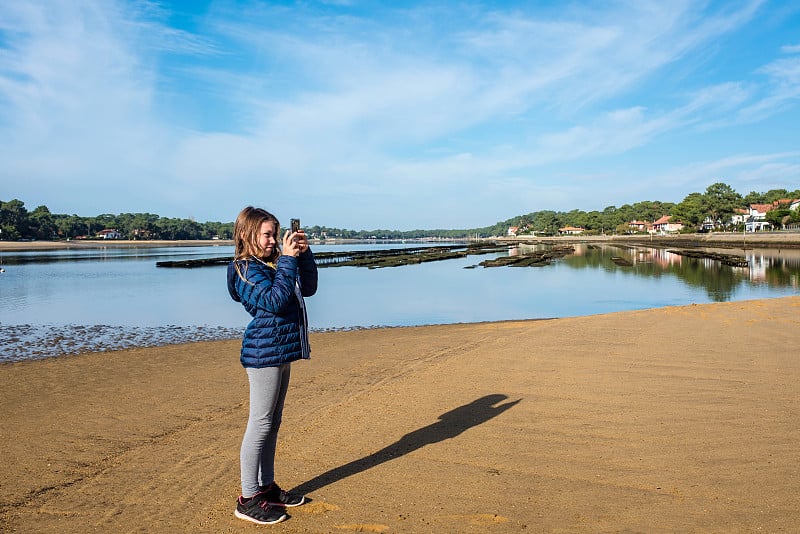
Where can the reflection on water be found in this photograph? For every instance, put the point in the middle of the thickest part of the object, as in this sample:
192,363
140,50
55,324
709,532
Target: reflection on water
776,268
46,296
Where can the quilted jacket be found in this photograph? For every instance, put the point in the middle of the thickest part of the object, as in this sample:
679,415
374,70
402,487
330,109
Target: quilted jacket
273,296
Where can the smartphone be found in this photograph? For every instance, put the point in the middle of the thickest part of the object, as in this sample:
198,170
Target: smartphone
295,225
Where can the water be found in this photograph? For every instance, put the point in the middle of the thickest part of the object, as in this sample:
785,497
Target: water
66,302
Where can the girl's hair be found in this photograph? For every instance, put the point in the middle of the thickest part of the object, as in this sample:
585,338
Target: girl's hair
245,234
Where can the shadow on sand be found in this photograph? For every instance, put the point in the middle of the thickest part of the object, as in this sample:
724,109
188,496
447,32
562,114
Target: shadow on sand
449,425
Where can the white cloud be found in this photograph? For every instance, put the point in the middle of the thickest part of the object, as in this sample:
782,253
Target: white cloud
297,106
783,89
76,100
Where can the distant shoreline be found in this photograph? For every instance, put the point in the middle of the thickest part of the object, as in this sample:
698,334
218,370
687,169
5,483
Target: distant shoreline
20,246
712,239
736,240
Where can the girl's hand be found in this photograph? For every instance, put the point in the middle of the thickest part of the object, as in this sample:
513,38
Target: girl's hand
291,246
302,240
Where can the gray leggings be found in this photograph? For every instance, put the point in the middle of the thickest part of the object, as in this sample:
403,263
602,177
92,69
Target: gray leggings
257,456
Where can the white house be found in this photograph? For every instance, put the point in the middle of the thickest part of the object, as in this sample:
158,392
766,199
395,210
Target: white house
109,233
756,219
664,225
739,216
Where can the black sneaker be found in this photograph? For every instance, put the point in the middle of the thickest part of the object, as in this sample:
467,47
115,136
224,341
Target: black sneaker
277,497
257,510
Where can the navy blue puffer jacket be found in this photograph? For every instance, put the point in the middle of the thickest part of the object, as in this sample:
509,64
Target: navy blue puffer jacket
278,332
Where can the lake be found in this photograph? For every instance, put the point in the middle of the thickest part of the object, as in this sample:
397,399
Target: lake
66,302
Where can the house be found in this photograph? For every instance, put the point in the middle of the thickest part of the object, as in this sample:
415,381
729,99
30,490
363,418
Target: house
754,217
570,230
739,216
108,233
756,220
664,225
785,204
639,226
709,224
512,230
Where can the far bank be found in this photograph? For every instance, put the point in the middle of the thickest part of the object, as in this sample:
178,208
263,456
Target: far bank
712,239
738,240
24,246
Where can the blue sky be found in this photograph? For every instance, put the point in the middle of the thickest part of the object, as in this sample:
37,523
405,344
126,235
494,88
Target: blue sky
366,115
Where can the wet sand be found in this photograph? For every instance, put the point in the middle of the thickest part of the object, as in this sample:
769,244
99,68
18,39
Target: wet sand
681,419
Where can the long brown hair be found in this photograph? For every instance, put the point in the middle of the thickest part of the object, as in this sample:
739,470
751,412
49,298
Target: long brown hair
245,235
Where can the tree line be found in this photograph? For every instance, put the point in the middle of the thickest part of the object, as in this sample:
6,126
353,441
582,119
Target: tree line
718,203
715,206
17,223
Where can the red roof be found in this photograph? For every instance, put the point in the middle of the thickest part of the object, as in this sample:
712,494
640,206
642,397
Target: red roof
761,208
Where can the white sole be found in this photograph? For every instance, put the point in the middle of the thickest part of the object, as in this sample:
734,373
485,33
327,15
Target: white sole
240,515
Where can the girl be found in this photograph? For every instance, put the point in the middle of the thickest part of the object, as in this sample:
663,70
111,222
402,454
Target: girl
271,286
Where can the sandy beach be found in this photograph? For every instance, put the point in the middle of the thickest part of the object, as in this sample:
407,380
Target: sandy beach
681,419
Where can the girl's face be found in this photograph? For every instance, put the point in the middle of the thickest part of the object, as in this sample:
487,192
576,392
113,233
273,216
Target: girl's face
266,238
